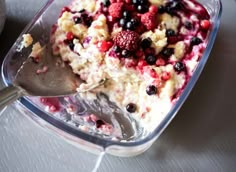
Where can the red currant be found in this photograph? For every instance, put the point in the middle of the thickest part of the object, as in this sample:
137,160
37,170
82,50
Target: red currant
153,9
205,24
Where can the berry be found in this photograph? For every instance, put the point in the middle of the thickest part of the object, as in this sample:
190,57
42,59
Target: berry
170,32
179,66
116,49
126,15
125,53
122,22
160,62
146,43
99,123
151,90
70,43
78,20
131,107
135,22
142,9
195,41
173,6
205,24
81,11
149,20
65,9
106,3
173,39
188,25
104,46
115,9
130,26
153,9
151,59
69,36
165,76
87,19
127,40
167,52
161,9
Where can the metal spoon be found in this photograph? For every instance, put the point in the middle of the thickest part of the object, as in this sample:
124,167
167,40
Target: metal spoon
47,78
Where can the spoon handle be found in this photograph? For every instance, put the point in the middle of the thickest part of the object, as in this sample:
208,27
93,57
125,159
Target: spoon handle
8,95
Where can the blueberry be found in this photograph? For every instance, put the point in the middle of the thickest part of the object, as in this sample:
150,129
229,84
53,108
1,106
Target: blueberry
99,123
77,20
125,53
167,52
116,49
130,26
81,11
170,32
106,3
195,41
179,66
151,90
131,107
146,43
151,59
139,2
70,44
135,22
122,22
135,2
188,25
142,8
161,9
126,15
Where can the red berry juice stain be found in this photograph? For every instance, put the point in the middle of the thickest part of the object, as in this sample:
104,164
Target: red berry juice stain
52,103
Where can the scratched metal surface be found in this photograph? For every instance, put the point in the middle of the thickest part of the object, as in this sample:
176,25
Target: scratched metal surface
201,138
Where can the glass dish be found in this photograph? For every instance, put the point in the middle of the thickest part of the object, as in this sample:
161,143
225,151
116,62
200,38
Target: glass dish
40,27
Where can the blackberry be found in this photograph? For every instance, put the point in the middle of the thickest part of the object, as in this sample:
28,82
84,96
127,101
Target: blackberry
146,43
151,90
151,59
195,41
131,107
179,66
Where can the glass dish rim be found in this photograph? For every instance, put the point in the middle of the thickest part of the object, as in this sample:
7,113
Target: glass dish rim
101,141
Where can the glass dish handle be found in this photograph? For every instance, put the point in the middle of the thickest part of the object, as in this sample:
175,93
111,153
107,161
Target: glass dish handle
8,95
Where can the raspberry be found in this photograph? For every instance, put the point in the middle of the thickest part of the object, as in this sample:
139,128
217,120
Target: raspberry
115,9
149,20
127,40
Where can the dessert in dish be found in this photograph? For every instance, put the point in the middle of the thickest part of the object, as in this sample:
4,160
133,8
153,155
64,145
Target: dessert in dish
147,51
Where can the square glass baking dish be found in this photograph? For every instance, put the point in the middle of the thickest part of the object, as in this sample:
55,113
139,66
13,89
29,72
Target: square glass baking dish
40,28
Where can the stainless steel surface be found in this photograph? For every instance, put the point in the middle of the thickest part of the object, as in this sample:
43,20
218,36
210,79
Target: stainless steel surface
57,79
200,138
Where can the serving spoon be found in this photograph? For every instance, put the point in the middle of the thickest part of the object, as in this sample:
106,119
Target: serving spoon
49,77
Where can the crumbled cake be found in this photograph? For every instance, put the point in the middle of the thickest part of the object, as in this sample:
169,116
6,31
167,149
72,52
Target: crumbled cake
147,50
